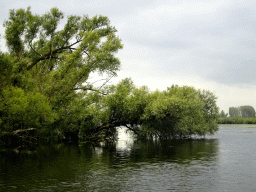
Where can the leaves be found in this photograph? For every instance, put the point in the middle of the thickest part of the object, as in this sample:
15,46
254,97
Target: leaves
46,83
48,65
21,110
177,112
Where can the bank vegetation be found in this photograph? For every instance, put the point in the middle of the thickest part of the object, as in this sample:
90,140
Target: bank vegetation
45,84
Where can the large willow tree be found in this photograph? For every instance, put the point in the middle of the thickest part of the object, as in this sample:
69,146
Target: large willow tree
55,61
45,83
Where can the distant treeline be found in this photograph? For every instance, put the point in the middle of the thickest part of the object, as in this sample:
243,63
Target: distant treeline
238,115
237,120
242,111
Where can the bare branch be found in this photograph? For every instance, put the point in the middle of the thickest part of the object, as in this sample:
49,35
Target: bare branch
33,49
106,82
88,89
132,129
49,54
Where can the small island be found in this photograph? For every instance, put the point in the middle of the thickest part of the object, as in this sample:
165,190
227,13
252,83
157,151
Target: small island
46,87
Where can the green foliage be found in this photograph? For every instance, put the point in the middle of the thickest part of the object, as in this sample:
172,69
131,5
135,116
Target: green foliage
234,111
45,83
177,112
20,110
118,104
49,68
237,120
121,106
242,111
239,115
247,111
46,56
223,114
6,66
181,112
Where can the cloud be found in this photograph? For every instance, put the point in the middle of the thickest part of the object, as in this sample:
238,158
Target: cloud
213,39
208,44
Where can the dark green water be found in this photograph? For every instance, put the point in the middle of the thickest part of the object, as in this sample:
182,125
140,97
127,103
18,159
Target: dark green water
223,162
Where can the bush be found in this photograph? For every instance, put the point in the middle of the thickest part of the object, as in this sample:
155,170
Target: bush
237,120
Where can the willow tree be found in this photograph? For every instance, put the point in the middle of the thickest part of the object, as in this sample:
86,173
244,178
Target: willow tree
175,113
180,112
57,60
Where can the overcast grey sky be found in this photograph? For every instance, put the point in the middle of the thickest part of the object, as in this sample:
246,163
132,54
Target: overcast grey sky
207,44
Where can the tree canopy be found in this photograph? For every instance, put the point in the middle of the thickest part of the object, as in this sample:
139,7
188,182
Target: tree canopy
242,111
175,113
223,114
247,111
45,83
56,63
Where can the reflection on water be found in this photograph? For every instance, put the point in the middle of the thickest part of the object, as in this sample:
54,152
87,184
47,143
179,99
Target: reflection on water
223,162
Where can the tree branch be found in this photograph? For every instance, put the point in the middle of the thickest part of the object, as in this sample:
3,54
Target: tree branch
132,129
47,55
33,49
107,80
87,88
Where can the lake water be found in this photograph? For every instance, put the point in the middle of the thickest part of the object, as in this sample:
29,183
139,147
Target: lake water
223,162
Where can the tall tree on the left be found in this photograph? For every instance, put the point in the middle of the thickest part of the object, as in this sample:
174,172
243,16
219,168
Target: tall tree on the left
55,63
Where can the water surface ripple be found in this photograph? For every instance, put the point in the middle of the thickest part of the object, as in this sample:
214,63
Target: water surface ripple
223,162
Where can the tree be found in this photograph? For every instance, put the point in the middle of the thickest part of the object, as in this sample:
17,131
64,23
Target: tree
181,112
242,111
234,112
21,110
46,84
61,60
223,114
57,63
6,66
123,105
247,111
175,113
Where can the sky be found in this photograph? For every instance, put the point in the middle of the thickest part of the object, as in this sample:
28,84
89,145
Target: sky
207,44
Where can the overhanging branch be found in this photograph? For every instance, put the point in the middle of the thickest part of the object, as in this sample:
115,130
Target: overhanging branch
132,129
